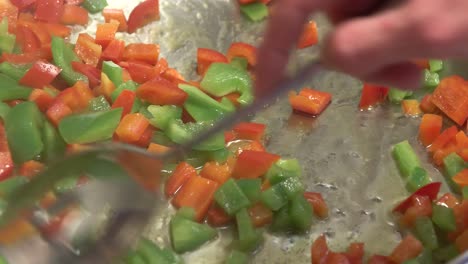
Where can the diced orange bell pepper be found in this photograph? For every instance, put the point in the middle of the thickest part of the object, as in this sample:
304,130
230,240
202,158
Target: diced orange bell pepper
145,138
233,97
105,33
87,50
319,250
411,107
408,248
318,203
157,149
161,66
114,51
448,200
462,241
40,32
207,56
179,177
427,106
463,153
461,140
42,99
31,168
219,173
253,164
309,36
74,15
57,111
440,154
372,95
142,52
141,72
173,76
244,50
444,138
355,253
132,127
461,178
160,91
143,14
196,193
451,97
40,75
216,217
118,15
430,128
421,206
249,131
310,101
57,30
106,88
260,215
6,161
83,95
125,101
15,231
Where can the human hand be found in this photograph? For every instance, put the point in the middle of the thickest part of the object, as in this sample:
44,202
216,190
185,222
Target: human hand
377,48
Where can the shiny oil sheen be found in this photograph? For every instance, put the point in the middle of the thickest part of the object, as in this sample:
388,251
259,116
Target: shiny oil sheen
345,153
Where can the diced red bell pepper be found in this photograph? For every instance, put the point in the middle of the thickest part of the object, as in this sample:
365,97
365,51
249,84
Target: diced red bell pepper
23,4
173,76
142,52
105,33
31,168
355,253
40,32
6,162
233,97
49,10
430,190
451,97
40,75
378,259
57,30
42,99
26,38
309,36
179,177
249,131
118,15
160,91
143,14
462,241
93,73
87,50
207,56
106,88
229,136
444,138
420,206
216,217
448,200
319,250
219,173
125,101
132,127
22,58
310,101
161,66
372,95
440,154
196,193
461,178
427,106
260,215
74,2
141,72
157,149
461,217
253,164
244,2
57,111
244,50
408,248
422,63
74,15
430,128
411,107
114,51
145,138
318,203
9,11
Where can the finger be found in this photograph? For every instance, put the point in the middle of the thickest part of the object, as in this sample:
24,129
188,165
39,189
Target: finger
407,76
342,10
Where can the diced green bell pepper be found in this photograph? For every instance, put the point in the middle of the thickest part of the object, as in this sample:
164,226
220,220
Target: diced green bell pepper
465,193
11,90
187,213
405,158
134,258
282,221
274,197
445,254
425,232
292,187
23,126
7,43
187,235
417,179
9,185
396,96
444,218
99,104
251,188
4,110
14,71
104,169
4,25
222,79
4,261
67,184
94,6
237,257
283,169
425,256
249,237
151,253
240,62
255,11
113,71
54,145
202,107
162,115
90,127
220,155
160,138
301,213
436,65
181,133
63,55
431,79
453,164
231,198
129,85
